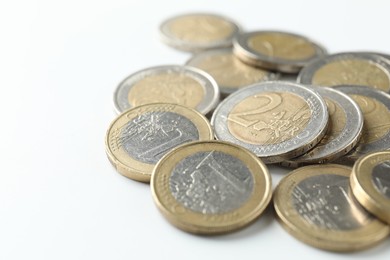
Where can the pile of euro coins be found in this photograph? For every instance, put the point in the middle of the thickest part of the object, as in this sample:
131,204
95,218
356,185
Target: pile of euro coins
202,133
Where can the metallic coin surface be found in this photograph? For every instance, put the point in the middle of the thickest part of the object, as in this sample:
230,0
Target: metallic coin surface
276,120
183,85
344,129
139,137
362,69
229,72
375,105
315,205
211,187
282,51
370,182
197,32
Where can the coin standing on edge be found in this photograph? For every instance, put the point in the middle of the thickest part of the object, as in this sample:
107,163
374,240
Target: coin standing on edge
211,187
370,182
358,68
276,50
183,85
375,105
315,205
275,120
139,137
198,32
228,71
344,129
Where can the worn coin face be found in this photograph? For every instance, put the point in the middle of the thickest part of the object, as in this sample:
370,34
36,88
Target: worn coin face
375,106
197,32
344,129
315,204
229,72
275,120
139,137
282,51
211,187
362,69
181,85
370,182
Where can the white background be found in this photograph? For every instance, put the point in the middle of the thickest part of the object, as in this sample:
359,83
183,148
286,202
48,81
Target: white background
60,62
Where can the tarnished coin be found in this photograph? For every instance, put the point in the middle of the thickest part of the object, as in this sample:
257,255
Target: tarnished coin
183,85
211,187
344,129
370,182
139,137
197,32
362,69
315,205
375,105
275,50
229,72
276,120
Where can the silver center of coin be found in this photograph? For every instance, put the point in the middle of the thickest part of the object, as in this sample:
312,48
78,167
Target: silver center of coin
327,202
148,137
381,178
211,182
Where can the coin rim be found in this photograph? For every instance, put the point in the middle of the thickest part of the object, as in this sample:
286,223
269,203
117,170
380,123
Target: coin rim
225,90
208,84
139,171
307,73
363,188
245,53
167,38
338,146
195,222
316,127
333,240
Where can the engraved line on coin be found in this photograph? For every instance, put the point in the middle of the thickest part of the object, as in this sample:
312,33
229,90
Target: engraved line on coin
149,136
209,186
278,128
324,201
381,178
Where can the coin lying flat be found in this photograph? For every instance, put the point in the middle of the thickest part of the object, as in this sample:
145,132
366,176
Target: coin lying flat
275,50
370,182
275,120
197,32
229,72
181,85
344,129
139,137
375,105
315,205
362,69
211,187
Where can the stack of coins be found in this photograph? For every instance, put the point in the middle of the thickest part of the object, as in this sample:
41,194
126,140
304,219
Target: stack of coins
323,108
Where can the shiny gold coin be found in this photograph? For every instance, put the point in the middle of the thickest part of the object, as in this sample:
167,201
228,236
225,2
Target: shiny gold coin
211,187
183,85
363,69
196,32
370,182
282,51
315,205
375,106
229,72
344,129
139,137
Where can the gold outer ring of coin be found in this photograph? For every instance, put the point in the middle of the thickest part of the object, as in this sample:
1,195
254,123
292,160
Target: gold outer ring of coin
333,240
212,224
141,171
363,186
